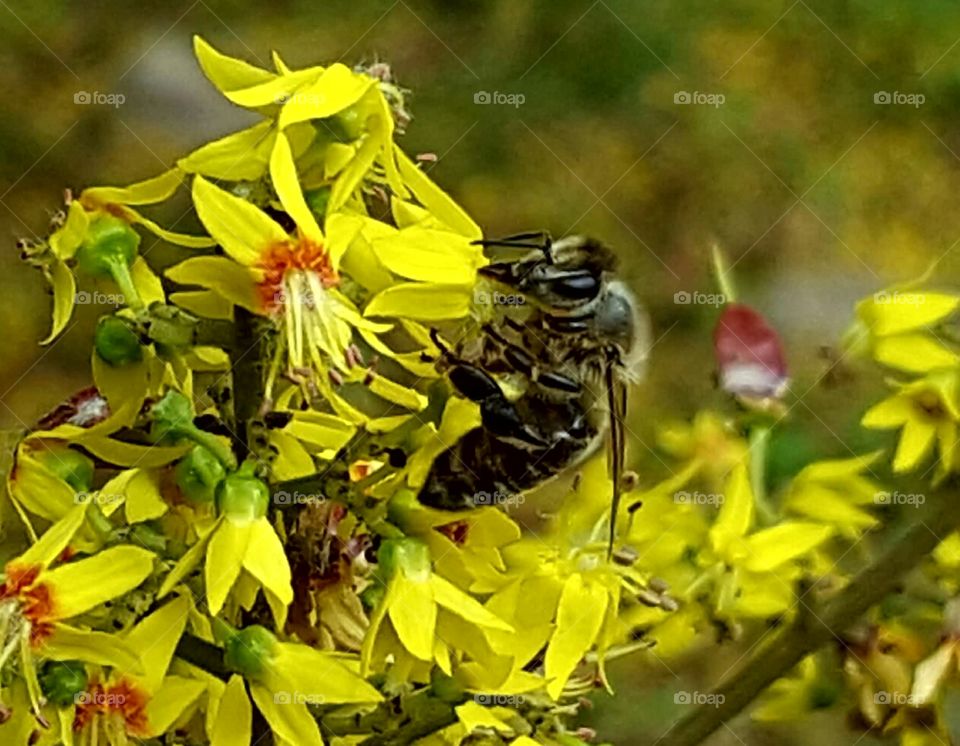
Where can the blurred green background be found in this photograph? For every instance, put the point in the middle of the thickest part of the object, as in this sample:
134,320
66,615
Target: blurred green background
659,127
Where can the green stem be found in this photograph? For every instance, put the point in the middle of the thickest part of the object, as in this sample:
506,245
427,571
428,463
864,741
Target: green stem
120,272
759,439
217,447
905,547
723,275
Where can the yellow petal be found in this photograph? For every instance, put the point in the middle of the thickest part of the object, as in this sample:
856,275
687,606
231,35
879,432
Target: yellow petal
37,490
171,702
475,716
321,676
429,255
579,617
205,303
227,73
147,192
290,722
425,302
414,615
234,716
914,353
435,199
178,239
895,312
225,554
54,540
155,638
144,502
283,174
274,91
267,562
64,297
931,672
242,229
770,548
129,454
342,229
916,443
395,393
67,643
736,514
187,562
67,239
320,429
351,176
336,89
447,595
229,280
240,156
84,584
147,283
460,416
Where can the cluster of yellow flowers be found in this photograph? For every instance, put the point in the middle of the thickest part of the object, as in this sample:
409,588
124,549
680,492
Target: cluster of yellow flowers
177,576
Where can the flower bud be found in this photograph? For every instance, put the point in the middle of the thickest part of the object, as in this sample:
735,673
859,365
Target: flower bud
749,355
62,681
116,342
243,497
172,417
109,241
198,474
248,650
411,556
69,465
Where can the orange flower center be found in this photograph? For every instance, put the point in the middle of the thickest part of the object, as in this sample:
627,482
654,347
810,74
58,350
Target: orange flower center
123,699
37,606
281,259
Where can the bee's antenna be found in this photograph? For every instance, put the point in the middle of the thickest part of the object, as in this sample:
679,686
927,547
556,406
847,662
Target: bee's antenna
541,240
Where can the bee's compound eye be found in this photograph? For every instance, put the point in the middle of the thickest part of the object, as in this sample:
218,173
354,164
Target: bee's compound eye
474,383
580,285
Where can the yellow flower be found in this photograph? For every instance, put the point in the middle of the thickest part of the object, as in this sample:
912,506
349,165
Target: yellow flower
142,703
753,571
710,442
423,618
831,492
36,599
242,552
893,325
283,679
91,209
927,411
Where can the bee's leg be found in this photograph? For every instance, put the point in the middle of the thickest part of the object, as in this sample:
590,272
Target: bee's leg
530,240
498,415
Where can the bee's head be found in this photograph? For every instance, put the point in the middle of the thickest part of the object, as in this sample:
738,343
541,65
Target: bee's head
619,322
563,276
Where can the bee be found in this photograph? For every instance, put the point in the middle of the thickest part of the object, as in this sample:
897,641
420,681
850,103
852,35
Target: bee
563,339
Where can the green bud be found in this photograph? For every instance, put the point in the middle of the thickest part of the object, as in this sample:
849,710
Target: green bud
62,681
372,595
198,474
242,496
172,418
411,556
116,342
109,241
248,650
71,466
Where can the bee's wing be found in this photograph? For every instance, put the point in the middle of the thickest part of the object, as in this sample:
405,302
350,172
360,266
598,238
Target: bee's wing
616,443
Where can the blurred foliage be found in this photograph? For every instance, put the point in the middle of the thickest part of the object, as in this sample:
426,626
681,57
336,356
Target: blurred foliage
818,194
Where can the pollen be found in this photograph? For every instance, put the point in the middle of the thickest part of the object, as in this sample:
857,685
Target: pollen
38,607
283,259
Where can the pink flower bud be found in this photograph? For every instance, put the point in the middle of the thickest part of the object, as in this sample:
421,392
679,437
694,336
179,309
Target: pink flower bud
749,354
